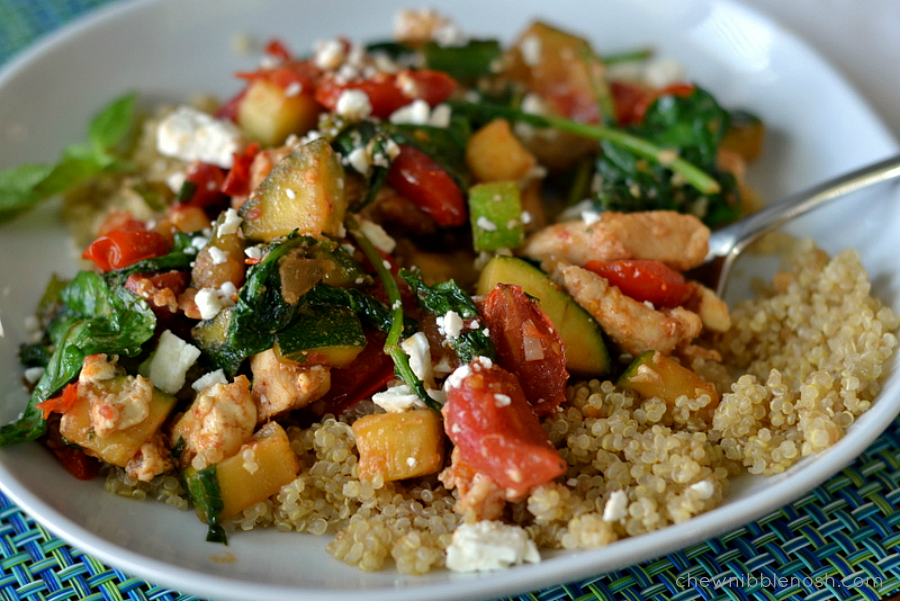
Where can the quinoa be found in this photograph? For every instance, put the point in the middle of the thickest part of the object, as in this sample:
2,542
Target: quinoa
801,362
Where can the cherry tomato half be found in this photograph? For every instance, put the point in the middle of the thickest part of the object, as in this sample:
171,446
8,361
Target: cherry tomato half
388,92
422,180
119,249
528,345
496,431
645,280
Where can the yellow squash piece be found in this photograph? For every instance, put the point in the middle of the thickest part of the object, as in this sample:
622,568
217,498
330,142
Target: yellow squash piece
653,374
399,445
259,470
268,114
118,447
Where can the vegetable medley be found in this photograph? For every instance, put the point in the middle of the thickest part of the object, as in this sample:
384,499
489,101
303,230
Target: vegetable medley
433,238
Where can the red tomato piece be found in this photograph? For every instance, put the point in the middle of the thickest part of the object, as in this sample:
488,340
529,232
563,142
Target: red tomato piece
119,249
286,74
61,403
528,345
388,92
208,181
422,180
645,280
237,182
496,431
278,49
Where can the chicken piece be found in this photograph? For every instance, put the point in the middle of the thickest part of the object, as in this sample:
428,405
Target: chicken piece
633,325
153,459
680,241
713,311
218,422
113,409
280,386
480,498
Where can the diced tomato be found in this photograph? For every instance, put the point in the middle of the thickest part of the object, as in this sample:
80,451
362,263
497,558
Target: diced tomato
496,431
119,249
303,73
575,105
120,220
632,101
208,181
71,457
237,182
278,50
388,92
61,403
422,180
369,372
645,280
528,345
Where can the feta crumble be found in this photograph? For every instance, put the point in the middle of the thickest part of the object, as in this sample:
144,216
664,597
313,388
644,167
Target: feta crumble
191,135
210,301
208,379
353,105
377,236
616,507
169,363
398,399
490,545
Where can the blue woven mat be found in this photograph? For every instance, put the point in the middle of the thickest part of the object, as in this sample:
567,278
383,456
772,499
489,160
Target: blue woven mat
840,541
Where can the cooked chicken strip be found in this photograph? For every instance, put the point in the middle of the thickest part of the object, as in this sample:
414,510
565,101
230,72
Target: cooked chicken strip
680,241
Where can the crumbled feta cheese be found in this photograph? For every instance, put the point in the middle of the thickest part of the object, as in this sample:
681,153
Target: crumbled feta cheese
416,112
411,461
440,116
590,217
353,105
419,352
450,324
208,379
502,400
360,160
489,545
398,399
248,460
329,54
531,50
377,236
176,180
168,364
295,88
253,253
199,242
217,255
230,223
210,301
662,72
533,104
33,374
462,372
616,507
191,135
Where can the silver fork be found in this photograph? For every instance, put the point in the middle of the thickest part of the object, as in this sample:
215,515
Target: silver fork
727,243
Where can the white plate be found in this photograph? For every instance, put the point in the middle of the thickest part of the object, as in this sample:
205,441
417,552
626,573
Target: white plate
170,49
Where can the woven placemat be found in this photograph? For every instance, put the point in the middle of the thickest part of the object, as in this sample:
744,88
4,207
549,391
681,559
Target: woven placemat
839,541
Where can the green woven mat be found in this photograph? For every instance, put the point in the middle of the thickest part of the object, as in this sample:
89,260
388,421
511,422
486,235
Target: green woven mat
840,541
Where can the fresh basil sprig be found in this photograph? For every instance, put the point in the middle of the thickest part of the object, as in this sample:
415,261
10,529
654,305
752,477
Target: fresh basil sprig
23,187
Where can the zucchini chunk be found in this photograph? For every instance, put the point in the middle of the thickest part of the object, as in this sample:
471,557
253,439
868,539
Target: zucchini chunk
303,192
496,215
586,353
331,336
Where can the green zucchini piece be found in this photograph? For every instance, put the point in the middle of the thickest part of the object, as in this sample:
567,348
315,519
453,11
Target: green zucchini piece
496,215
203,488
303,192
586,353
322,335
